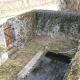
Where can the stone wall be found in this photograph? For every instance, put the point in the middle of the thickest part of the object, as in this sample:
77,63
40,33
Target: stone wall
73,71
2,37
60,24
54,23
23,27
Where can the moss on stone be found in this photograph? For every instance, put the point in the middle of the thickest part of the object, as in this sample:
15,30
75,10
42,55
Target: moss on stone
73,72
2,48
26,15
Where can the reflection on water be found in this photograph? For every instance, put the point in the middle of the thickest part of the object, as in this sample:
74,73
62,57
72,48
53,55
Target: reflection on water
51,67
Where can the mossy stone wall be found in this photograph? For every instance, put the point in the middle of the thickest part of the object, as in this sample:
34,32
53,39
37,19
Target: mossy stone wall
56,23
53,23
73,71
23,27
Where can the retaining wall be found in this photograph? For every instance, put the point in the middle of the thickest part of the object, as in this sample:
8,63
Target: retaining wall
53,23
23,27
73,71
56,23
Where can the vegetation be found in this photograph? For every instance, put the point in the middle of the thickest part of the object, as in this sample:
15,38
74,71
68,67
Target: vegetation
13,7
10,8
2,48
18,60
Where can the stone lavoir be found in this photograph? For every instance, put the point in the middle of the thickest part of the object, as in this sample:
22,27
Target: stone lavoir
51,67
56,31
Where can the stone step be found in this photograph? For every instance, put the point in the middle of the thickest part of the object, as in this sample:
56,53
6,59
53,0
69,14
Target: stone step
12,50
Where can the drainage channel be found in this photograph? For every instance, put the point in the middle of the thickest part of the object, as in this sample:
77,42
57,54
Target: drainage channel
51,67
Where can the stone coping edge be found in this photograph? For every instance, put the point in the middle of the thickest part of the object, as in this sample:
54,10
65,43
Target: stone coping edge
31,65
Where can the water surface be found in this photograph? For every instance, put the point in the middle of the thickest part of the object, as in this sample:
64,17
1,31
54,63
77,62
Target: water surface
51,67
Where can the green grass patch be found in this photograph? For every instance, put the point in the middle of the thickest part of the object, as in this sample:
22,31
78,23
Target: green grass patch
9,9
2,48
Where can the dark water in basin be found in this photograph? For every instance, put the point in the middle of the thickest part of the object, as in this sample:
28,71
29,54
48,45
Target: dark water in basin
51,67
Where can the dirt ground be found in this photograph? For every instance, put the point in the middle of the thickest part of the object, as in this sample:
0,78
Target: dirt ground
18,60
56,44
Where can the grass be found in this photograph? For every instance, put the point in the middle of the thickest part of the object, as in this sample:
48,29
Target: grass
7,72
18,60
2,48
32,47
13,8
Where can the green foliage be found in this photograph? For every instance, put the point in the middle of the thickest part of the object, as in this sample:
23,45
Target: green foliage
79,41
2,48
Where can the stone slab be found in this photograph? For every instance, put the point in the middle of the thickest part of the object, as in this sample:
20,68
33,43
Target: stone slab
30,66
3,57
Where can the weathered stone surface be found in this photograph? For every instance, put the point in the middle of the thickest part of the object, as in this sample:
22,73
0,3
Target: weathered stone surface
12,50
73,71
62,27
52,23
2,37
58,24
23,27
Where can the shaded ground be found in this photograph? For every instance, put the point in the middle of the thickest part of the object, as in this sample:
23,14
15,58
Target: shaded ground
56,44
19,59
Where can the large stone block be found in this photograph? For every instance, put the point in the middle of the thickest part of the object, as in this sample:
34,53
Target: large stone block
2,37
3,57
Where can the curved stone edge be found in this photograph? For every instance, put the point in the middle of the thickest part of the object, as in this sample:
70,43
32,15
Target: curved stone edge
31,65
73,71
70,53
